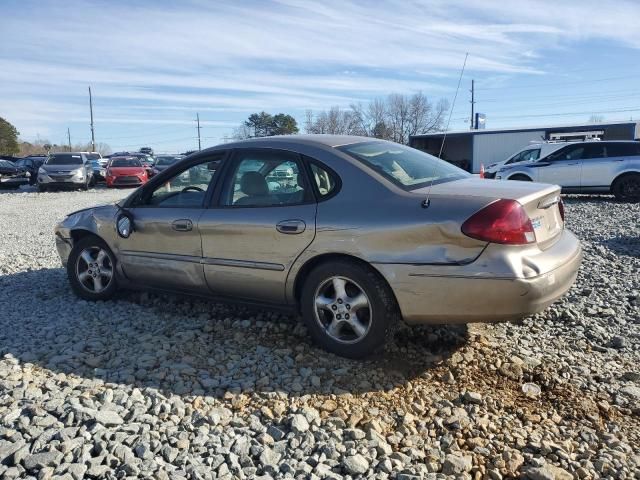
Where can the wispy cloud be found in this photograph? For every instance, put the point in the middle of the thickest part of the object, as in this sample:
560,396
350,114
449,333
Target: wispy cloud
154,62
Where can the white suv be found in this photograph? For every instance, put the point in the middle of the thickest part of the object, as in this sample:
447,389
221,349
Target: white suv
530,153
586,167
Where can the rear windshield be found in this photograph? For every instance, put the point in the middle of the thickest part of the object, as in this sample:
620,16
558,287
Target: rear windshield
406,167
125,162
6,164
65,159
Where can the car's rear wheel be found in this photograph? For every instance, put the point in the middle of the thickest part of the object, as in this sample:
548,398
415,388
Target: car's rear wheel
42,188
627,188
521,178
91,269
348,308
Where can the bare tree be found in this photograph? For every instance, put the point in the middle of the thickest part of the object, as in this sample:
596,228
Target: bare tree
596,118
242,132
397,117
335,121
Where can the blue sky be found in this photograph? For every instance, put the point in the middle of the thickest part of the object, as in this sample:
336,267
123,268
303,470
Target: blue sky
153,64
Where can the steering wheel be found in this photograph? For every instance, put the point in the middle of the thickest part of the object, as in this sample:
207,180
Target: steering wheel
192,187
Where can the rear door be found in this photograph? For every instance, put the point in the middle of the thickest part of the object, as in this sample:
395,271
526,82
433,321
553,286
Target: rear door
561,167
263,218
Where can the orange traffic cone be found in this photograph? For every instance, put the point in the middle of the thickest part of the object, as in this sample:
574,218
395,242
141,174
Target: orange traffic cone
482,170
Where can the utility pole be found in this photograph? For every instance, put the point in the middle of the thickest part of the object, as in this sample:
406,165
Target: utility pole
473,102
198,127
69,138
93,136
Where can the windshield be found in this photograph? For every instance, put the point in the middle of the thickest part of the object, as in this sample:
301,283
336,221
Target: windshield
65,159
6,164
406,167
166,160
125,162
93,156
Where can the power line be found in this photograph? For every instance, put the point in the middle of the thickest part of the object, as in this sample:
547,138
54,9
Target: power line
585,112
556,84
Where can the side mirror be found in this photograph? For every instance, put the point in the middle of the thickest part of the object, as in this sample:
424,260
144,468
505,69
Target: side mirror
124,224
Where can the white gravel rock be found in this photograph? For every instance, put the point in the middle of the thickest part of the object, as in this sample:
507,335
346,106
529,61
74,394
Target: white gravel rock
163,387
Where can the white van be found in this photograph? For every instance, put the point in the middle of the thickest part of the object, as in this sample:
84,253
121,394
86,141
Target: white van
531,152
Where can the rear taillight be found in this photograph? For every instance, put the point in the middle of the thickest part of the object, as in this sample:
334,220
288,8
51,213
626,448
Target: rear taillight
503,221
561,208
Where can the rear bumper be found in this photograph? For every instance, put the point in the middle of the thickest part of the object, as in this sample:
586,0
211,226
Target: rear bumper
475,293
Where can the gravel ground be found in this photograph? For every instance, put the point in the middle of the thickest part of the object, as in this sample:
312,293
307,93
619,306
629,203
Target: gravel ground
161,387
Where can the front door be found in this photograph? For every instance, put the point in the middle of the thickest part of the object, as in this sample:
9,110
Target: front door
165,250
264,218
562,167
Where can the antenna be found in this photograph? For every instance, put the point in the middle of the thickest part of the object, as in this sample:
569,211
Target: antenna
427,202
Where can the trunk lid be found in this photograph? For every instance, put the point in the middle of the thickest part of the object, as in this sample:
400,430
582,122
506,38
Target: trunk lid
540,201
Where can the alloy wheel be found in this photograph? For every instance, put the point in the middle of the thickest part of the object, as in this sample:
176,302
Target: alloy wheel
343,309
94,269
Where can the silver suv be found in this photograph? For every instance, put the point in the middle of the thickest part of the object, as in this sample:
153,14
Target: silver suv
586,167
65,170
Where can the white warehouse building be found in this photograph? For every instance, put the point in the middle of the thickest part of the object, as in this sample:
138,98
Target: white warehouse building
469,149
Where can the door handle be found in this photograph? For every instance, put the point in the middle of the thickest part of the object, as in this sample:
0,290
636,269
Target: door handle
182,225
575,163
291,227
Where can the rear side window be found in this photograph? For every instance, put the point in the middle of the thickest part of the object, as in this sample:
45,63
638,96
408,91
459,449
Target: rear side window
623,149
325,180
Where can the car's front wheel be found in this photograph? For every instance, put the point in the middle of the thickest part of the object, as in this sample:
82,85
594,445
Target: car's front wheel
91,269
627,188
348,308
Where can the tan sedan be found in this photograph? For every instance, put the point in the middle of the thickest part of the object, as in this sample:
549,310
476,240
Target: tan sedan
353,233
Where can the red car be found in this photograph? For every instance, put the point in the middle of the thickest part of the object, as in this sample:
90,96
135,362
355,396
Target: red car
126,172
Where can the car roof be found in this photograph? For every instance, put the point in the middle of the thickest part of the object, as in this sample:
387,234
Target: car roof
307,139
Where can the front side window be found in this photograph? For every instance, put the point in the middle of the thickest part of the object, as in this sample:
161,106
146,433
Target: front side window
574,152
186,189
406,167
266,178
529,155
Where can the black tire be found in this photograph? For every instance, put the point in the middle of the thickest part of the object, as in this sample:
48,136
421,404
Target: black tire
626,188
521,178
91,242
42,188
382,317
85,187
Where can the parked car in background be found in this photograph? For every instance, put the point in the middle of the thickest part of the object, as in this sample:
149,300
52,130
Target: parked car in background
65,170
530,153
370,232
165,161
9,158
125,172
31,164
12,175
147,150
99,172
586,167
